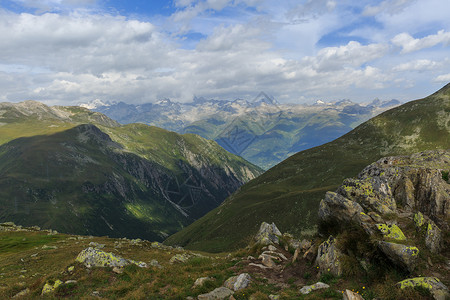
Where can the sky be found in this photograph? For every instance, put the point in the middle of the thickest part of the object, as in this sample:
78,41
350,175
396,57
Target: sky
75,51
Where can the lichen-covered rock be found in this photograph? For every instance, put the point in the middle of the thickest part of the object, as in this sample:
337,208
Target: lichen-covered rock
268,234
179,258
239,282
433,237
217,294
309,288
328,257
391,232
335,207
433,284
402,255
372,193
416,181
92,257
419,220
48,287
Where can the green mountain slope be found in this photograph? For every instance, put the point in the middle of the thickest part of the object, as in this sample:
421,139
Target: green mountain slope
289,193
106,179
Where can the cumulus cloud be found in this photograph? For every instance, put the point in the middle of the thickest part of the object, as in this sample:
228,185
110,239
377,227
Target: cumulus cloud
442,78
410,44
417,65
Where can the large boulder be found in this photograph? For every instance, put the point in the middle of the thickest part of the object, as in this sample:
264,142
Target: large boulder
328,257
268,234
336,208
402,255
433,284
92,257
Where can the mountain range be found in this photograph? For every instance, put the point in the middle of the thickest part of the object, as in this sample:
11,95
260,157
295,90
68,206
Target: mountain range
262,130
78,171
289,193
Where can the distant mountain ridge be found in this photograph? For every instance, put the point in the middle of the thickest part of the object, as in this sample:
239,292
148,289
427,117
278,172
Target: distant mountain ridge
78,171
289,194
262,131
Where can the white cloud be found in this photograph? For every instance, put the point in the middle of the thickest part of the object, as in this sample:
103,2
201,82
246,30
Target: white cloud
410,44
417,65
443,78
388,6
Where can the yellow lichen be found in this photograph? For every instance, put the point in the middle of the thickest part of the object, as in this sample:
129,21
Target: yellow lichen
425,282
391,231
419,219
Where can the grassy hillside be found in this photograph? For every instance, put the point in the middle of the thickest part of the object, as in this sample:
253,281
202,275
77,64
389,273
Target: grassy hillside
106,179
289,193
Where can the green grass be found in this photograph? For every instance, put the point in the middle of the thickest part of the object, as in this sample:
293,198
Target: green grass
13,242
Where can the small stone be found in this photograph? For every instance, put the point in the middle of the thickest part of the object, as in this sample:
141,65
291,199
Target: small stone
237,283
274,297
201,281
96,245
179,258
268,262
258,266
22,293
118,270
250,257
349,295
155,263
272,248
48,287
309,288
45,247
296,253
70,282
71,268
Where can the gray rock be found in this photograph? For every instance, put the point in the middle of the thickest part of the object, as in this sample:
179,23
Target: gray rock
402,255
239,282
433,238
335,207
217,294
309,288
268,234
96,245
328,257
179,258
201,281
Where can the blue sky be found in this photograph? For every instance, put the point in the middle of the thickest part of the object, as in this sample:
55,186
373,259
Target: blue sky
74,51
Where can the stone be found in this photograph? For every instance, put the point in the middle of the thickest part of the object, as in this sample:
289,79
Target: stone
268,234
433,238
71,269
239,282
179,258
375,217
267,261
372,193
305,245
433,284
336,208
274,297
50,287
22,293
328,257
309,288
45,247
201,281
310,255
391,232
296,253
92,257
217,294
155,263
349,295
402,255
419,220
96,245
70,282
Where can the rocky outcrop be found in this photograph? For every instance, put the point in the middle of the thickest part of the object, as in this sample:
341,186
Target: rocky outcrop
268,234
336,207
92,257
433,284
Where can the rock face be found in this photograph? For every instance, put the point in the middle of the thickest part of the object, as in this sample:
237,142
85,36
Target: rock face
433,237
434,285
268,234
92,257
328,257
404,256
336,207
